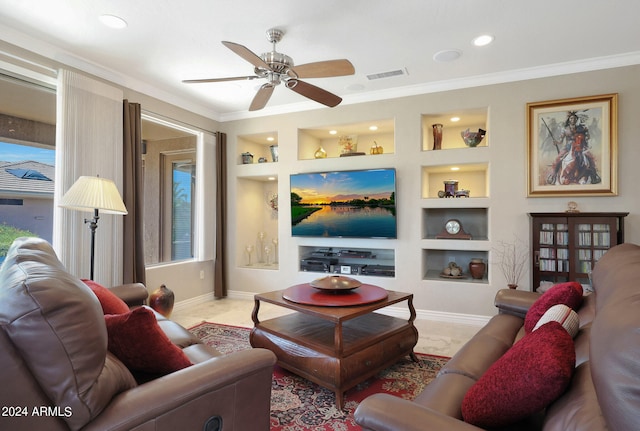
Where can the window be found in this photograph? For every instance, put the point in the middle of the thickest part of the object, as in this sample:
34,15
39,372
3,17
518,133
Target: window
27,158
178,194
169,191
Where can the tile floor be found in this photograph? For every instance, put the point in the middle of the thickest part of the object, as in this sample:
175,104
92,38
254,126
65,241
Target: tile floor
435,337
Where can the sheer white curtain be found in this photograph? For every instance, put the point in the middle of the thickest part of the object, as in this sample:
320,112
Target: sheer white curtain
88,142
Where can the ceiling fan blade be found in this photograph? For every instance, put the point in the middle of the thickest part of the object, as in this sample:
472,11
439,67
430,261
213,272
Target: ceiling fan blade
233,78
314,93
324,69
247,54
262,97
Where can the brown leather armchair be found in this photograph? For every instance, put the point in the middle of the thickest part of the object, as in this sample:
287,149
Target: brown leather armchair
57,373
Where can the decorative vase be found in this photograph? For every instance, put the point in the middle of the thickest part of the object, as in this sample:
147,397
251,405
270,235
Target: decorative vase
512,286
450,188
247,158
437,136
376,149
320,153
162,300
274,152
477,268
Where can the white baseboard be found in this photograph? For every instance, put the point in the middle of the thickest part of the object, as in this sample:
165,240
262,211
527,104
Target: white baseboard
438,316
180,305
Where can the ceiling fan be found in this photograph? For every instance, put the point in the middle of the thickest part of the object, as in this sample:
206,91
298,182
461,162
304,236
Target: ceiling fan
278,68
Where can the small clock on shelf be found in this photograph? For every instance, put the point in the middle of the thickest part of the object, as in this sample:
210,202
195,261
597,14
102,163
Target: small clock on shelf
453,230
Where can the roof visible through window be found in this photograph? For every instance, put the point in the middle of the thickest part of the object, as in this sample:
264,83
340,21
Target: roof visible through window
28,174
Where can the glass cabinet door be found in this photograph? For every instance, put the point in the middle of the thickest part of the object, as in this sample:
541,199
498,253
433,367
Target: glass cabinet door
552,256
593,237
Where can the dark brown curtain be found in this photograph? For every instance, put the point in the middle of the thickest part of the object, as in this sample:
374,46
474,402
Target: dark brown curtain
220,263
133,265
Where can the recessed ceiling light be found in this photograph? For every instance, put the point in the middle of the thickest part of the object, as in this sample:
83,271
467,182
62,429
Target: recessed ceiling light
271,178
447,55
333,132
270,138
373,128
455,119
455,168
112,21
483,40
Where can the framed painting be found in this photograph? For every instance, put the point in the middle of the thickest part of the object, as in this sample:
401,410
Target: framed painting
572,146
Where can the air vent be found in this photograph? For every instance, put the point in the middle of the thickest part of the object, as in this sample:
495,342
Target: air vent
386,74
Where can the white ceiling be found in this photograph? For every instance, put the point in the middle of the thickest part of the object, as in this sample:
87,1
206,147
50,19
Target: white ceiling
167,41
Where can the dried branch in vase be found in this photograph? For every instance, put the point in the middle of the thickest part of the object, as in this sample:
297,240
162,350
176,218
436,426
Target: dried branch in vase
512,258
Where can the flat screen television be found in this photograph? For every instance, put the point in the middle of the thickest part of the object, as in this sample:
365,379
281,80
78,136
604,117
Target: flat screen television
344,204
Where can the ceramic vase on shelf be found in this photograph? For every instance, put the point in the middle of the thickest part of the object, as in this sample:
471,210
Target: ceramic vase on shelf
162,300
274,153
437,136
477,268
320,153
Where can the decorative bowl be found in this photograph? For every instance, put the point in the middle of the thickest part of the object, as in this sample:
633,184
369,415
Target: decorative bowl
335,282
472,139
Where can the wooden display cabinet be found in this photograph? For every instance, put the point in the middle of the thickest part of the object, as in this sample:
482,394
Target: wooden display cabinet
566,246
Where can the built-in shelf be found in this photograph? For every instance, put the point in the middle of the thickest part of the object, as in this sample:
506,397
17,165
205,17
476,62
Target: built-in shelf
348,261
472,119
259,146
371,138
473,220
255,202
435,260
471,177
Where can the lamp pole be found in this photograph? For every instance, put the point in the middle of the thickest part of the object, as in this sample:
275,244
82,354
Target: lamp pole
93,225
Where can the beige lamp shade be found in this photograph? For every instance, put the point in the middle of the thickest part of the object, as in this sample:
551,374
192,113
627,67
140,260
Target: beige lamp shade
91,193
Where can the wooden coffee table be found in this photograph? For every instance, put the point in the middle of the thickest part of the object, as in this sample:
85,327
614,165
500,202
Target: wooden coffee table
335,346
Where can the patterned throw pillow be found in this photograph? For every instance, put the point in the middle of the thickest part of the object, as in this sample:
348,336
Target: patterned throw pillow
569,294
564,315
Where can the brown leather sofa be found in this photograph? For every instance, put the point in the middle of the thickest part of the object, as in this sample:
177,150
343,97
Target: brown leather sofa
604,393
57,374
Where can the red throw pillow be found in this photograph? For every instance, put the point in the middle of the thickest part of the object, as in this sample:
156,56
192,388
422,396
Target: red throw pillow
569,294
527,378
111,304
137,340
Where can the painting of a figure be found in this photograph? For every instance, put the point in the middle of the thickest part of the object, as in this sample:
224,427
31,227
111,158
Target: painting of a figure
572,146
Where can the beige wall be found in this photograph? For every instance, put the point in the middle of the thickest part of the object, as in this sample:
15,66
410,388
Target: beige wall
509,203
507,182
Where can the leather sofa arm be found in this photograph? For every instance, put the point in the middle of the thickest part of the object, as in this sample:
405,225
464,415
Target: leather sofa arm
133,294
236,387
384,412
515,302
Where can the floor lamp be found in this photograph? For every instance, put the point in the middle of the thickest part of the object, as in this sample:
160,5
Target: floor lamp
93,194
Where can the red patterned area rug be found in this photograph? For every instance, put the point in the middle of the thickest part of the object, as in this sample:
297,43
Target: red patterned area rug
300,405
